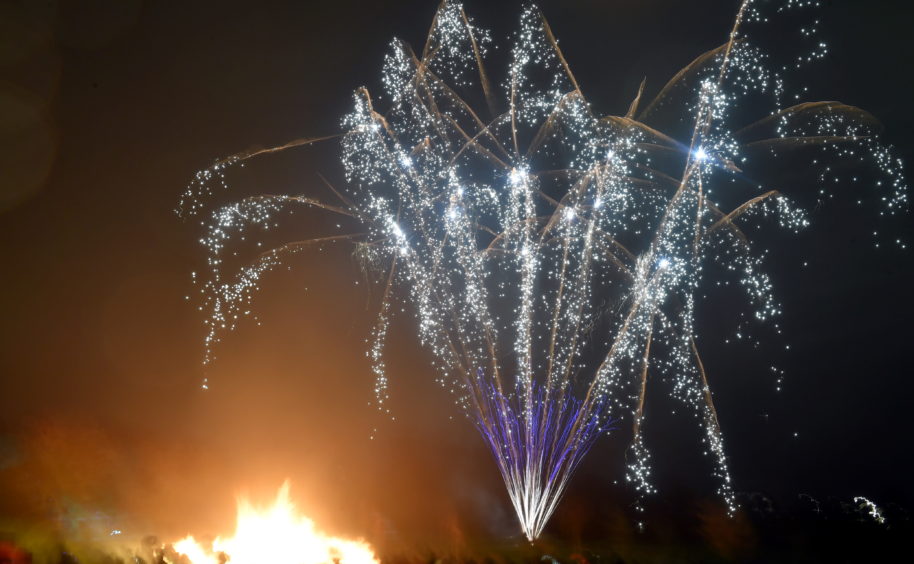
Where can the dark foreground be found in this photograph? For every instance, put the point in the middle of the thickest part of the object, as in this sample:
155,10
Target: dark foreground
833,531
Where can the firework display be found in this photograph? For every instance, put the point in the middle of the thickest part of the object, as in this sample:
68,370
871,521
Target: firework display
554,258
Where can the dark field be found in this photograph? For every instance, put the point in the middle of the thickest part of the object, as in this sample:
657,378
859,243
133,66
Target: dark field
808,531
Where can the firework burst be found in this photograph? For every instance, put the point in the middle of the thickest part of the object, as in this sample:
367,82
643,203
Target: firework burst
553,257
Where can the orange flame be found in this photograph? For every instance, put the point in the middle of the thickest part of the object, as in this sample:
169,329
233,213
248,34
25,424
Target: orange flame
277,535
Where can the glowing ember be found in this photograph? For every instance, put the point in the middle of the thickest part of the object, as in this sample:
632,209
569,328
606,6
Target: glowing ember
278,535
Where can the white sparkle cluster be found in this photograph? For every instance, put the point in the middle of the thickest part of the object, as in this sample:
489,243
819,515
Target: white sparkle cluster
549,252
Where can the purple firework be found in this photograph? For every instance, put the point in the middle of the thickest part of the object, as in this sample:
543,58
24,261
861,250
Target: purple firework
536,460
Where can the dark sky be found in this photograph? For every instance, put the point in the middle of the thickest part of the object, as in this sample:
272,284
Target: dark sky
106,111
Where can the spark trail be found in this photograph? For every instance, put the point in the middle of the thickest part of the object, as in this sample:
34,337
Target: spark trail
553,257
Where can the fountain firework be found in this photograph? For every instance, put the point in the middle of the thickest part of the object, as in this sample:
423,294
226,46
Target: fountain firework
552,256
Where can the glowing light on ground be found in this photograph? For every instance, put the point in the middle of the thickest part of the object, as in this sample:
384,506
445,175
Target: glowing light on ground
277,534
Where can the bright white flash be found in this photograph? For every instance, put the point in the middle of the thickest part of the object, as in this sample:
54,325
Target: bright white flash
516,177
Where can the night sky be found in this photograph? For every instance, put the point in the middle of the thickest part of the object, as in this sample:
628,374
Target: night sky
107,110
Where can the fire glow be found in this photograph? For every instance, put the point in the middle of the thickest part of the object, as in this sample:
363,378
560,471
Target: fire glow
277,534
